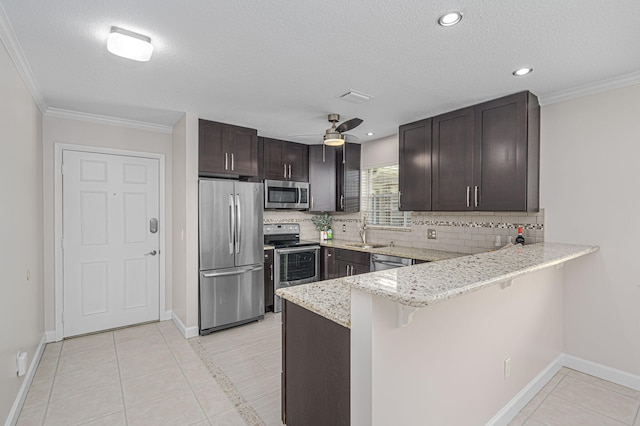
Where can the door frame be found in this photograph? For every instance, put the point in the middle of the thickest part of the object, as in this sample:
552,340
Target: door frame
59,148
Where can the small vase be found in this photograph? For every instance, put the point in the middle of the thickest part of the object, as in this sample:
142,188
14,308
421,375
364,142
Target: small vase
323,235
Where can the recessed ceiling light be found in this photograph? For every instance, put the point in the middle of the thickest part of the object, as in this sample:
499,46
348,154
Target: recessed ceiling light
522,71
129,45
370,134
450,19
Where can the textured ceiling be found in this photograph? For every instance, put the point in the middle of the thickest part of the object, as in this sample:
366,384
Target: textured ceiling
280,66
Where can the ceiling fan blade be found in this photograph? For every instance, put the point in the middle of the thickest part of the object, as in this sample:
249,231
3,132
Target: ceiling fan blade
348,125
351,138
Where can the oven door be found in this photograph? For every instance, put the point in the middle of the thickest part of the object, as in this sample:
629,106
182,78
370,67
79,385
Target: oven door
294,266
286,195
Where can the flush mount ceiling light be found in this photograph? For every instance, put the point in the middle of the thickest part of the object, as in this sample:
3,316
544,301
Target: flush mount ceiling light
522,71
129,45
450,19
333,139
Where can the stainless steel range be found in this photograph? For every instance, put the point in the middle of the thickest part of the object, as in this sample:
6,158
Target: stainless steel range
295,262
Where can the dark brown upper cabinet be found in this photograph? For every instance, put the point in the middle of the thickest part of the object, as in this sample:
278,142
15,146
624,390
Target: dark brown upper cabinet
285,160
226,149
414,181
334,178
484,158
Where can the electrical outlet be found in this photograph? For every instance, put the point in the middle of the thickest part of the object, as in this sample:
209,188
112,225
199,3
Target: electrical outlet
507,368
432,234
28,275
344,227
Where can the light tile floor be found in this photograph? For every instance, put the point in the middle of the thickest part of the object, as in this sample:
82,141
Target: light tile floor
151,375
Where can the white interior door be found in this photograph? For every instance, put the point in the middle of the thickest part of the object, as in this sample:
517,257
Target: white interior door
111,267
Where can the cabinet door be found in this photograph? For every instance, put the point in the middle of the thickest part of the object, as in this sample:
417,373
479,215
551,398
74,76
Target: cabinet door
360,268
328,267
322,178
343,269
415,166
268,280
244,161
452,161
274,165
214,150
296,157
348,178
500,170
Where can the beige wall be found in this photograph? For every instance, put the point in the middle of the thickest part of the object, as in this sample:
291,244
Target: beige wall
589,189
77,132
21,247
185,225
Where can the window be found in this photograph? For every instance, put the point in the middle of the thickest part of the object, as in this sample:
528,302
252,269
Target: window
380,198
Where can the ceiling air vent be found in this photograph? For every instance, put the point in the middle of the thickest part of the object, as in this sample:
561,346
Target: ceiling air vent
355,97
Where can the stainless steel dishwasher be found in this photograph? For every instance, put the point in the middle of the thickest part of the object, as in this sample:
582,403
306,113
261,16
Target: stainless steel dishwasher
380,262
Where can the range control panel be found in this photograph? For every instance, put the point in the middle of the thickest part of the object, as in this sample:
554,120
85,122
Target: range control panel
281,228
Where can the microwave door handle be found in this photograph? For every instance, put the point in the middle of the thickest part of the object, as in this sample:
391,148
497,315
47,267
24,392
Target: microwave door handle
299,195
232,223
238,225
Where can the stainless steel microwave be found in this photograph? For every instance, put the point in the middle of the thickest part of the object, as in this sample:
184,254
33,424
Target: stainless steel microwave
282,194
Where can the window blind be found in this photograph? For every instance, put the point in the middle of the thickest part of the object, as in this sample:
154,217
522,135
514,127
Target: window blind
380,197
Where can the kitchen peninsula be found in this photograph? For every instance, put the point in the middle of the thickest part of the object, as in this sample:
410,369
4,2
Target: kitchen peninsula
431,343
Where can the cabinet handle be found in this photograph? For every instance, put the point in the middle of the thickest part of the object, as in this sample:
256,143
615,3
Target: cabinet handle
347,270
475,196
342,201
271,268
399,199
468,195
285,171
226,161
289,171
312,203
232,167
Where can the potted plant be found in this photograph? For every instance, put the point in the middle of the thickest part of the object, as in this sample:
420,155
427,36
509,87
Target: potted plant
323,224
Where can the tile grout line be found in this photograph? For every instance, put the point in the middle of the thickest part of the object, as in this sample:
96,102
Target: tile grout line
242,406
184,375
55,374
124,405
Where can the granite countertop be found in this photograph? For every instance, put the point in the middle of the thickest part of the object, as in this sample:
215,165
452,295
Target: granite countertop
429,283
330,299
400,251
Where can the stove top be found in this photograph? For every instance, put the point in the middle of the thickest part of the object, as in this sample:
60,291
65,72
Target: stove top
291,243
283,235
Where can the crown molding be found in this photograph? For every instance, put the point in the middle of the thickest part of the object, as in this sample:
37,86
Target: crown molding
590,89
103,119
10,41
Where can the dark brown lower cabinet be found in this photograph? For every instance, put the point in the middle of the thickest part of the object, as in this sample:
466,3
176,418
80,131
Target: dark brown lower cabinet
268,280
316,374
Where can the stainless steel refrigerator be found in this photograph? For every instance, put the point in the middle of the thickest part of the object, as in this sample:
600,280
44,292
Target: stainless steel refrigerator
231,253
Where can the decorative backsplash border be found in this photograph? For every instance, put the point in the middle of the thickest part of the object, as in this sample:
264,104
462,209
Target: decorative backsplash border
465,224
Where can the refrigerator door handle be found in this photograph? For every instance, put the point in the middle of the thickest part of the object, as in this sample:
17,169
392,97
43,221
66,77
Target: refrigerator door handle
238,224
234,272
232,223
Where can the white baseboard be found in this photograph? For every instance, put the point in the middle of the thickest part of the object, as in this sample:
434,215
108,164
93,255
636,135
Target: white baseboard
12,419
50,336
166,315
602,371
187,332
513,407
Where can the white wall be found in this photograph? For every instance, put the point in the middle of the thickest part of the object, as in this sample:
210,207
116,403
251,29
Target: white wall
21,246
446,367
80,132
590,151
185,226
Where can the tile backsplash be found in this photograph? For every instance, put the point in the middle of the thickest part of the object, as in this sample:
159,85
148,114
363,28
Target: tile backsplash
462,232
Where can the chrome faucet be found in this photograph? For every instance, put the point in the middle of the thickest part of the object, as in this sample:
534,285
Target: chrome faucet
363,231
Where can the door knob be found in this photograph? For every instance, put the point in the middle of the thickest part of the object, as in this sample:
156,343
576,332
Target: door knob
152,253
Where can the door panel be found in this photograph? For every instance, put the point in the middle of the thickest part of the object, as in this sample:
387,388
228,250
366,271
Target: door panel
322,178
415,166
249,200
108,201
244,143
217,210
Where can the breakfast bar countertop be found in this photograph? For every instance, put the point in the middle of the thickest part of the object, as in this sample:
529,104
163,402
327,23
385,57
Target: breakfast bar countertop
429,283
428,255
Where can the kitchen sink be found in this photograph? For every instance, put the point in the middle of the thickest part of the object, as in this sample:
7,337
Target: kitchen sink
367,246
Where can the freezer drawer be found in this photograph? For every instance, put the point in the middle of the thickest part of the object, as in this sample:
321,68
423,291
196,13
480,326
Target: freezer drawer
230,297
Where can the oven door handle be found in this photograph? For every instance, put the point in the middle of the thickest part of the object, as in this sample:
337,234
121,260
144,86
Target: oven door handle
296,249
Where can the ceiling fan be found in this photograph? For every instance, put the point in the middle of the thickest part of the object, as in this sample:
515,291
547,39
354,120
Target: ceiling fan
333,136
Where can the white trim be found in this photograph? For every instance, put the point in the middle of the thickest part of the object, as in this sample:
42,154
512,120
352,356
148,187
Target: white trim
166,315
602,371
590,89
103,119
10,41
58,277
50,336
187,332
12,419
513,407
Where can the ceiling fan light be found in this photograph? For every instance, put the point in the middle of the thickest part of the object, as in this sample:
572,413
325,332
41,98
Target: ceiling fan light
334,140
130,45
